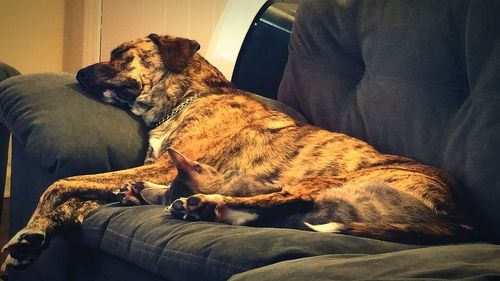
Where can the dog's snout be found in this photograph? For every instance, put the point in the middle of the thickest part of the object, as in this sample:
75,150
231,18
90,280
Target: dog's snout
82,77
95,78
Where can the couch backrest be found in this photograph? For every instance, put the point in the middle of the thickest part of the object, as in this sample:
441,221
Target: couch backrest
414,78
7,71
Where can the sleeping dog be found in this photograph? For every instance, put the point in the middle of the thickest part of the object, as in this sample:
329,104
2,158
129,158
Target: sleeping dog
189,105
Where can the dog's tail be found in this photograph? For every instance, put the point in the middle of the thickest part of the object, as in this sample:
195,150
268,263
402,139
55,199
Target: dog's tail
417,233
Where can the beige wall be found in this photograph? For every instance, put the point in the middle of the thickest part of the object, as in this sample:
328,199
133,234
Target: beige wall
195,19
188,18
31,37
32,34
47,35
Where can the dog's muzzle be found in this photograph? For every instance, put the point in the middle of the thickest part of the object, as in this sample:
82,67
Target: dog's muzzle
102,81
95,78
83,77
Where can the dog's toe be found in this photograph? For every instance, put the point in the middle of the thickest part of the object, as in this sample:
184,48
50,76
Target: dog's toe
129,193
177,209
192,208
178,205
193,201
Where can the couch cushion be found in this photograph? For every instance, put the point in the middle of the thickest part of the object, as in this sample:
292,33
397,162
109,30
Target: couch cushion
419,79
179,250
57,132
7,71
65,131
452,262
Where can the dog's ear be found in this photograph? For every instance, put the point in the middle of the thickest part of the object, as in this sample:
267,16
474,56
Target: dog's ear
182,163
176,53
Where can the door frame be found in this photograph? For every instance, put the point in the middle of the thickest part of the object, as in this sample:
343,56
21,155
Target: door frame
92,19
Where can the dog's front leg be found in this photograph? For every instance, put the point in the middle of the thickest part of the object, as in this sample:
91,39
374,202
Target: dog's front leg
232,210
100,186
30,243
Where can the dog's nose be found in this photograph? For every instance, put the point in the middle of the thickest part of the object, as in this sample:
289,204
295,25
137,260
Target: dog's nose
82,77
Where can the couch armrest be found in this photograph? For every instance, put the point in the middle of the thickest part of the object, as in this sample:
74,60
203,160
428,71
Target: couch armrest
58,132
65,131
7,71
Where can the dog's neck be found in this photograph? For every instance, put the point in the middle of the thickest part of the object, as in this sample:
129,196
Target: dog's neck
188,98
177,90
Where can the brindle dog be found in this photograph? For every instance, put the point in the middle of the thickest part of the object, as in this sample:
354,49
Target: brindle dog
188,104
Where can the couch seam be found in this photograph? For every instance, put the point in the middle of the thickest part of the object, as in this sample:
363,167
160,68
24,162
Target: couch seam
180,253
330,65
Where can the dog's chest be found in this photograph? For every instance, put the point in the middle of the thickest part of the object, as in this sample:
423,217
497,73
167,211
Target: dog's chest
155,143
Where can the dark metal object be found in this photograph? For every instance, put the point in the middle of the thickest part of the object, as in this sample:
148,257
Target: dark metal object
264,52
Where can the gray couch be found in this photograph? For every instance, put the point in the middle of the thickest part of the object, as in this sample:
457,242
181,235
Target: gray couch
415,78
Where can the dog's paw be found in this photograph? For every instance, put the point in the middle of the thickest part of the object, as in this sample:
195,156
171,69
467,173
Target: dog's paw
130,193
196,207
24,248
198,201
209,207
10,262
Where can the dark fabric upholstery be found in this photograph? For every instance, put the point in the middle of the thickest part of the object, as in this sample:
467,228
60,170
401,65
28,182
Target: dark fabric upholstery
149,238
7,71
413,78
464,262
58,132
42,110
67,260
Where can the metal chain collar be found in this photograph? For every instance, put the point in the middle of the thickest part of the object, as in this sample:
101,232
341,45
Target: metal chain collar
176,110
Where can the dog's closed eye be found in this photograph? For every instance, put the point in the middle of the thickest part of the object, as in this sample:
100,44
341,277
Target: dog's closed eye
139,108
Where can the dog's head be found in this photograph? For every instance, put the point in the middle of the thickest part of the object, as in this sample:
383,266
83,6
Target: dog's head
136,68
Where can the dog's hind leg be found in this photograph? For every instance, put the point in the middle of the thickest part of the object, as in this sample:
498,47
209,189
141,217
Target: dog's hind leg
99,186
